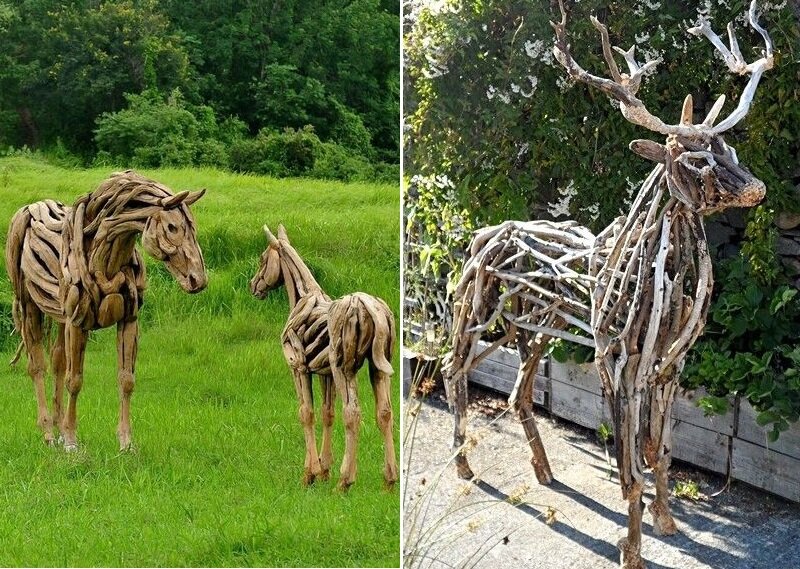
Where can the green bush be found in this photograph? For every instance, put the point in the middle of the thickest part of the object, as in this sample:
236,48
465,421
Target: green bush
751,345
334,162
280,154
153,132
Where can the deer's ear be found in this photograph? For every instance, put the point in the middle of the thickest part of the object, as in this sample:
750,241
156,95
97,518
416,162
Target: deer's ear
648,149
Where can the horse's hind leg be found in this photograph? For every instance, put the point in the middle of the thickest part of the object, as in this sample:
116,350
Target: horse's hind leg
328,413
58,363
382,389
33,337
75,345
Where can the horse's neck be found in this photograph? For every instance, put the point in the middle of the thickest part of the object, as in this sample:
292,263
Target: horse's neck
110,251
297,277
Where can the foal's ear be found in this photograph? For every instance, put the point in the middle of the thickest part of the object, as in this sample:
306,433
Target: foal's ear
174,201
650,150
270,237
282,233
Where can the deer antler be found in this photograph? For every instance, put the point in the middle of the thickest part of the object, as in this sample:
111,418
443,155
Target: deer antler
736,63
624,87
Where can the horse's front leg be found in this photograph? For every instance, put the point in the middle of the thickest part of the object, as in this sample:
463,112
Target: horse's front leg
75,343
302,382
127,348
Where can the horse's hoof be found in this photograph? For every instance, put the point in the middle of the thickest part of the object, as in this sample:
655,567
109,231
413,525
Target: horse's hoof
70,447
388,485
309,478
324,475
344,486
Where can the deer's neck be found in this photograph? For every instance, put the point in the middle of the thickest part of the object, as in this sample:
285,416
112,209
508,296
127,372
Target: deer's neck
297,277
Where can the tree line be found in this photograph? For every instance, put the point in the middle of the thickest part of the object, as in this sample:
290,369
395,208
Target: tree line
283,87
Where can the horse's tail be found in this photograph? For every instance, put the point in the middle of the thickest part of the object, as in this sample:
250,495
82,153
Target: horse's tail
350,316
15,241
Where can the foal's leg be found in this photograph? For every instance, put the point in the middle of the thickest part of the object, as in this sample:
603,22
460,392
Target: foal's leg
658,453
33,336
76,349
328,413
382,389
347,387
58,363
127,347
302,383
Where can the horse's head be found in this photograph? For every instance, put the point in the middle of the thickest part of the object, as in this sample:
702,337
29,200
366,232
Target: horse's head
170,236
269,275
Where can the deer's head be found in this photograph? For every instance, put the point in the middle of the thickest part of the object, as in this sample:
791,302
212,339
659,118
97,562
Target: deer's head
269,275
170,236
702,171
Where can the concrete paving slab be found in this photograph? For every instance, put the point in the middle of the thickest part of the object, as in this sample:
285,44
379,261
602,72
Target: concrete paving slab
508,520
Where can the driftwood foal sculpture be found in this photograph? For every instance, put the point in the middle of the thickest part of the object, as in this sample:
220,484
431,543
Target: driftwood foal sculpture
79,267
332,339
639,290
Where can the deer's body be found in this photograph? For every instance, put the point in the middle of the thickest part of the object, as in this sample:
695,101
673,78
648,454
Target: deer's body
639,291
79,267
332,339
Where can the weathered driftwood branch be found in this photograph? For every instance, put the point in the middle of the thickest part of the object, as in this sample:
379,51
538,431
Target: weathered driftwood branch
638,292
332,339
79,267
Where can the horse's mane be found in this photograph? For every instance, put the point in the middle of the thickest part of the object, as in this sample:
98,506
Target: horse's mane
123,192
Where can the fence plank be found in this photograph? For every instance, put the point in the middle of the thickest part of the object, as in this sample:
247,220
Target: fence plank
686,409
699,446
766,469
788,443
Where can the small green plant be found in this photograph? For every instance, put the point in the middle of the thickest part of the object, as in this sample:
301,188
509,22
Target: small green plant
605,432
688,489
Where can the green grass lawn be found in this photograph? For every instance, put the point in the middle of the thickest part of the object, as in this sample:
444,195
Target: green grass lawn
215,479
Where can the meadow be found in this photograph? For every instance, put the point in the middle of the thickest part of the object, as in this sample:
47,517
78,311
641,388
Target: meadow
215,479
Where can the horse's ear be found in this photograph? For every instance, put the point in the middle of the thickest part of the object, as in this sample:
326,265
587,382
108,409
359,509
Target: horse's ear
650,150
194,196
270,237
282,233
173,201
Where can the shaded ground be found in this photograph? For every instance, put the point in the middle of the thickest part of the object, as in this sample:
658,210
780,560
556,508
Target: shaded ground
507,519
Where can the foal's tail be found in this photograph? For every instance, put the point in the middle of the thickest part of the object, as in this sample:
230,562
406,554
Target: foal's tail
14,244
350,318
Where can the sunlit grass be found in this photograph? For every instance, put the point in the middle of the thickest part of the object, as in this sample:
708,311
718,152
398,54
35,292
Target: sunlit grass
216,476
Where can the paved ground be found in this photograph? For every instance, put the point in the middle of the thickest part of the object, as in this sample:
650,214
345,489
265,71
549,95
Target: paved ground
507,520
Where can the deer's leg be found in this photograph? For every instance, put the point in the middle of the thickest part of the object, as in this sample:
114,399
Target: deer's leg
328,413
58,363
658,452
33,337
524,405
382,389
127,347
460,401
302,382
347,387
75,351
631,546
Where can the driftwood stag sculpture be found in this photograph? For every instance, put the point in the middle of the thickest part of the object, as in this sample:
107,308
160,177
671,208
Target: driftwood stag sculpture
639,291
79,267
332,339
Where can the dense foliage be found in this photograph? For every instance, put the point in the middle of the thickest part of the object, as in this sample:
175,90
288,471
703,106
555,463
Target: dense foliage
82,73
495,130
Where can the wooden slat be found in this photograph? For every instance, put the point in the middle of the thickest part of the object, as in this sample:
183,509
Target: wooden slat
582,376
509,357
766,469
577,405
504,384
788,443
685,409
699,446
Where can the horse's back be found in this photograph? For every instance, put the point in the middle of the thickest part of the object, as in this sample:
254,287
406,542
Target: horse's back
33,250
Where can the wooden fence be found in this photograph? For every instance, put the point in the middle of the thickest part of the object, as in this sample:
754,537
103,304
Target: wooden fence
732,444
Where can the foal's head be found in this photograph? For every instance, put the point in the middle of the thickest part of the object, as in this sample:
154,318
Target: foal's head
269,275
170,236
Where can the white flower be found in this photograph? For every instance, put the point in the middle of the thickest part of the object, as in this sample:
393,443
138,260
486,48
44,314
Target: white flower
561,207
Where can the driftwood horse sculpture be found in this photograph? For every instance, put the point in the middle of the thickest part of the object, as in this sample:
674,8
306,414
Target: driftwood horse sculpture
79,267
332,339
639,291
